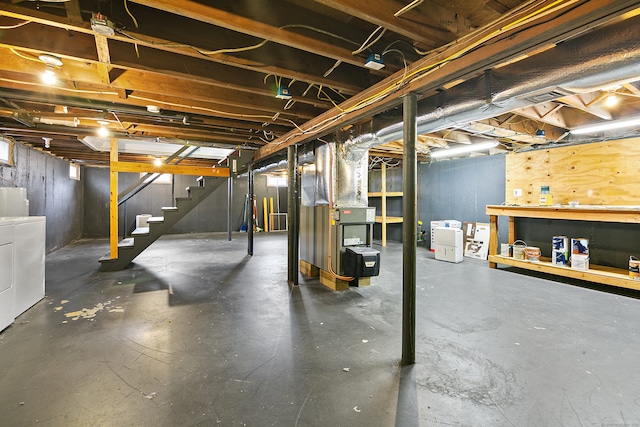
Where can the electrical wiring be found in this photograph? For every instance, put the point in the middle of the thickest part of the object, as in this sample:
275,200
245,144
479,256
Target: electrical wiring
330,70
368,44
404,61
308,27
422,71
133,18
233,50
23,56
9,181
433,66
210,110
13,27
408,7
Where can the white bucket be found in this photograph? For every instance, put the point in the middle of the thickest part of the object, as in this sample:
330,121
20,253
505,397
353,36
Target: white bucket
505,249
518,249
579,261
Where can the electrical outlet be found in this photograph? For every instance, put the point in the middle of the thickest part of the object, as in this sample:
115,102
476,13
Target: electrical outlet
517,192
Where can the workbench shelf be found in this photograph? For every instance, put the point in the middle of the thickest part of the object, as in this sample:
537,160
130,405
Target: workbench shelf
598,274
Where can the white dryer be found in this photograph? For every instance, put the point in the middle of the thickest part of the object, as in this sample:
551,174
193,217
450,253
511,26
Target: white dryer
7,294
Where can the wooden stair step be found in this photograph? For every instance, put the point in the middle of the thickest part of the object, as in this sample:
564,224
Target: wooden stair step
126,243
140,231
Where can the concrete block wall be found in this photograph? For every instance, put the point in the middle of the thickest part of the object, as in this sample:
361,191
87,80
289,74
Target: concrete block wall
50,191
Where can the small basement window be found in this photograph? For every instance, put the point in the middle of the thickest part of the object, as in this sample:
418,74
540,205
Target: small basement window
6,150
74,171
164,178
276,181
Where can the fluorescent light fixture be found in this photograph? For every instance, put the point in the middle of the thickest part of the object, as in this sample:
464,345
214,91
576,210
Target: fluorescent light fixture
374,61
616,124
464,149
150,146
153,109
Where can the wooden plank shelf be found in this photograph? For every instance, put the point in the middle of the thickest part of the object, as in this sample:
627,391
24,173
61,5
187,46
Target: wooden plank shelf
386,193
384,219
388,219
598,274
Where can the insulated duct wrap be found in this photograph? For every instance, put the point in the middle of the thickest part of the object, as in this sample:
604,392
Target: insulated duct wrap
605,58
335,179
351,188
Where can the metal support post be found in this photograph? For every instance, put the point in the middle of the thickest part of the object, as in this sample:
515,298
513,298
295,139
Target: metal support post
292,209
250,212
229,205
409,183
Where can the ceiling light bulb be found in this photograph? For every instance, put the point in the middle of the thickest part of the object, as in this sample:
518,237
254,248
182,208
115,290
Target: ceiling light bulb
157,161
49,75
153,109
103,131
612,100
47,142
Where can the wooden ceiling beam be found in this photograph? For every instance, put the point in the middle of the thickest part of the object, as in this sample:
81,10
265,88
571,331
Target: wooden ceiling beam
170,90
221,18
83,66
382,13
343,82
542,30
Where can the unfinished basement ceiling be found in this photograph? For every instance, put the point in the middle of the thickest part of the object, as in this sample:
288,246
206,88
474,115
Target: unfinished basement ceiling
207,74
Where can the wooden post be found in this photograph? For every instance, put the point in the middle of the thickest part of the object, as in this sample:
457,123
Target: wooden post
113,201
271,221
265,214
383,190
493,238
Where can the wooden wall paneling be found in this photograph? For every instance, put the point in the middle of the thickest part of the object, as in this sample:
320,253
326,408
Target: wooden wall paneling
604,173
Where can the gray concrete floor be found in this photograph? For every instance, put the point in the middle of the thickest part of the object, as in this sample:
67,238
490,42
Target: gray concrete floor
199,333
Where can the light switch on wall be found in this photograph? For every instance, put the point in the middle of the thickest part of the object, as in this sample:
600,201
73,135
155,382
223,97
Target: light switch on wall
517,192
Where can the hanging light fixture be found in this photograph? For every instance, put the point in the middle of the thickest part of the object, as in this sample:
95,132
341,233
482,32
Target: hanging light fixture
102,130
47,142
611,100
49,74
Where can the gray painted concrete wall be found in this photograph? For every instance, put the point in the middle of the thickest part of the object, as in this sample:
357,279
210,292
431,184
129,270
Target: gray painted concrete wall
461,189
50,191
448,189
209,216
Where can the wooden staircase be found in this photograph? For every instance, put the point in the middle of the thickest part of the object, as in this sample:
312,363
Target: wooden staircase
141,238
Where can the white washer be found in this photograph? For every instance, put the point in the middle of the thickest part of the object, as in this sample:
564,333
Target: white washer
7,295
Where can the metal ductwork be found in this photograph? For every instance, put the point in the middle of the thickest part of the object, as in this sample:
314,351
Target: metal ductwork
606,57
